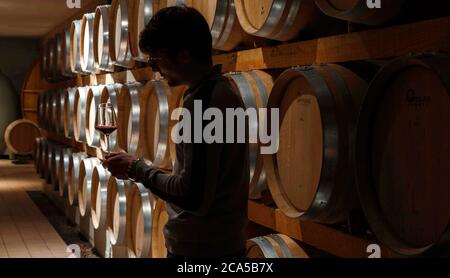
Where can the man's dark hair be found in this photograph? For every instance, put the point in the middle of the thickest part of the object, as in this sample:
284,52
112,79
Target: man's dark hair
178,28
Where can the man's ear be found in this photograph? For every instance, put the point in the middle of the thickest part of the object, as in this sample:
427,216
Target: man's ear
184,57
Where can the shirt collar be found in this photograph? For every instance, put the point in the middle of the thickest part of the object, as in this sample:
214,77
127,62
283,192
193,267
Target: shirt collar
215,72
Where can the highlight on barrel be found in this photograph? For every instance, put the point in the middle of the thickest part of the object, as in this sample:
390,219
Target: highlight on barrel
93,100
311,176
129,111
69,115
80,107
20,137
403,155
51,60
254,87
47,162
101,35
58,111
275,246
140,14
64,54
87,42
117,210
37,153
276,19
59,39
54,165
157,106
44,60
142,224
99,186
75,47
64,175
110,94
87,167
41,109
359,11
119,48
74,176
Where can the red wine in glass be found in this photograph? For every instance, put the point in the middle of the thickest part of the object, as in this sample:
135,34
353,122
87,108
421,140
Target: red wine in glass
106,121
106,129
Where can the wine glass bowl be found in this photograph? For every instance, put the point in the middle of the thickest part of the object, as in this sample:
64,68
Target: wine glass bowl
106,121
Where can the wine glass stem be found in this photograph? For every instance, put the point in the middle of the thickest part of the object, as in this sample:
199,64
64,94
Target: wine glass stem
107,141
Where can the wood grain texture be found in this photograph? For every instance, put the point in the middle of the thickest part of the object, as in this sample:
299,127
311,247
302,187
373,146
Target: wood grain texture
322,237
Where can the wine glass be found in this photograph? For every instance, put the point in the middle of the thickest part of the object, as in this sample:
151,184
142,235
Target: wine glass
106,121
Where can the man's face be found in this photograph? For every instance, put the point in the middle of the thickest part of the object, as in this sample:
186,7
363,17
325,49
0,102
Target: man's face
171,69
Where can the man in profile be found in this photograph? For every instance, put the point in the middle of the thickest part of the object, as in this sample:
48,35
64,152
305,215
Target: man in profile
208,191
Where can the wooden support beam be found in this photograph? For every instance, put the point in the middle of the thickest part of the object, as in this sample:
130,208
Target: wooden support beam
323,237
431,35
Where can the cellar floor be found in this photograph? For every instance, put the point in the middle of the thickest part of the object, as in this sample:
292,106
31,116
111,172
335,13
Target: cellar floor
24,231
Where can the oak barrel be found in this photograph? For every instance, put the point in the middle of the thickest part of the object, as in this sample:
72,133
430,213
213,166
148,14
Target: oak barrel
129,111
254,87
119,49
20,137
275,246
99,187
87,168
358,10
79,111
276,19
63,171
68,115
311,176
146,218
102,58
93,100
87,44
403,155
117,210
74,176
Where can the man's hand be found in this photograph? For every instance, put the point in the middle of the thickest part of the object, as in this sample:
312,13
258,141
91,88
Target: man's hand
118,164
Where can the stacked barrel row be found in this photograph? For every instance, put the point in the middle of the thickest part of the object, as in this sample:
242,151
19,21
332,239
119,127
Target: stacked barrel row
115,215
108,38
122,218
344,145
